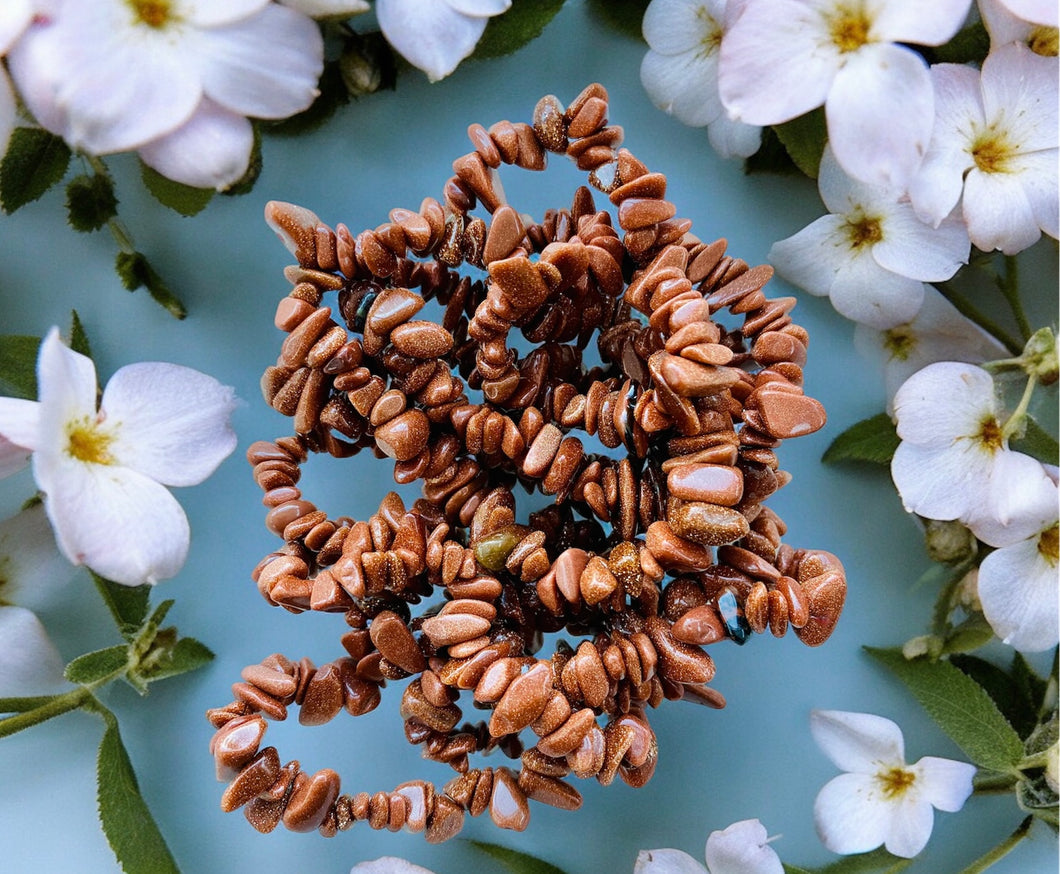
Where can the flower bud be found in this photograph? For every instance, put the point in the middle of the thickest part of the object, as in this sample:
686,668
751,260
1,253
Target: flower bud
1040,356
948,542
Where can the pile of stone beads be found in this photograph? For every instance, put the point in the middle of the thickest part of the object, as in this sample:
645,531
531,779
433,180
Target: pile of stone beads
650,551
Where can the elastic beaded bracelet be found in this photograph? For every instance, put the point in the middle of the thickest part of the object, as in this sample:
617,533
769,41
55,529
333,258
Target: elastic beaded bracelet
698,409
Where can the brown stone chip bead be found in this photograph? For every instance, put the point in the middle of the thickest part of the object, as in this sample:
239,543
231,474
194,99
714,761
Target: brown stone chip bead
649,551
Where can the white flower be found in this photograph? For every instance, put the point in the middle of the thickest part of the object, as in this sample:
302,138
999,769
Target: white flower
1004,26
1018,583
680,72
15,16
938,332
881,799
103,473
31,570
438,35
388,865
209,65
871,254
783,58
1037,11
954,461
12,457
994,149
328,8
742,848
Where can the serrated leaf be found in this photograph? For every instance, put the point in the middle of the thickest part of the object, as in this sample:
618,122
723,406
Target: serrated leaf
35,161
18,366
1004,691
187,654
127,823
78,336
185,199
95,666
135,271
522,23
804,138
863,863
625,16
960,706
1038,443
127,604
90,202
515,861
874,440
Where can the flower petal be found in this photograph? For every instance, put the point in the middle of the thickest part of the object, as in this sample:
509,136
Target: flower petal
913,21
945,783
938,484
266,66
850,815
1019,91
123,525
328,8
677,27
857,741
880,112
480,8
12,456
1018,591
31,568
210,13
777,62
1002,25
742,848
1039,176
388,865
1019,500
1038,11
210,150
19,430
943,402
865,292
914,249
431,36
66,385
685,86
813,257
666,861
15,15
843,194
171,422
998,212
911,822
29,662
733,139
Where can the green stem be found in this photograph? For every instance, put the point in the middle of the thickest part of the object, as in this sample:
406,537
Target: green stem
1016,423
56,706
1009,285
994,782
967,309
117,228
1001,850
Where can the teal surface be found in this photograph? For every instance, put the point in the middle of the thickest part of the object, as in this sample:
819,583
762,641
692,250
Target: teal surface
754,759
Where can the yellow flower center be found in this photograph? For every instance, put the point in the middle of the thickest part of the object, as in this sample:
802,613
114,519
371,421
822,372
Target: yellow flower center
863,231
89,443
1049,545
895,782
899,342
153,13
1044,41
710,42
849,28
990,434
992,151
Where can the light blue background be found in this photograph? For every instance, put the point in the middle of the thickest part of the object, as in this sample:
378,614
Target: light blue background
753,759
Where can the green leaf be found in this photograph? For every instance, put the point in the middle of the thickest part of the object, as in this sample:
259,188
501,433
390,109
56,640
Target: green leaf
515,861
863,863
972,633
873,440
187,654
178,197
35,161
969,45
90,202
771,157
127,604
804,138
95,666
794,869
135,271
1032,687
18,366
522,23
625,16
1038,443
78,336
127,823
960,706
1013,702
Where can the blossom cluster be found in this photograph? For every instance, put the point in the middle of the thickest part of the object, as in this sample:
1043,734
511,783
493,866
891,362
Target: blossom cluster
202,70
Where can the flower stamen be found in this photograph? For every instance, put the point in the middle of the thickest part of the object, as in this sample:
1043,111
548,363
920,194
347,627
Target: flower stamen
86,442
1049,545
1044,41
990,434
895,781
992,152
153,13
900,342
863,231
710,41
849,29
